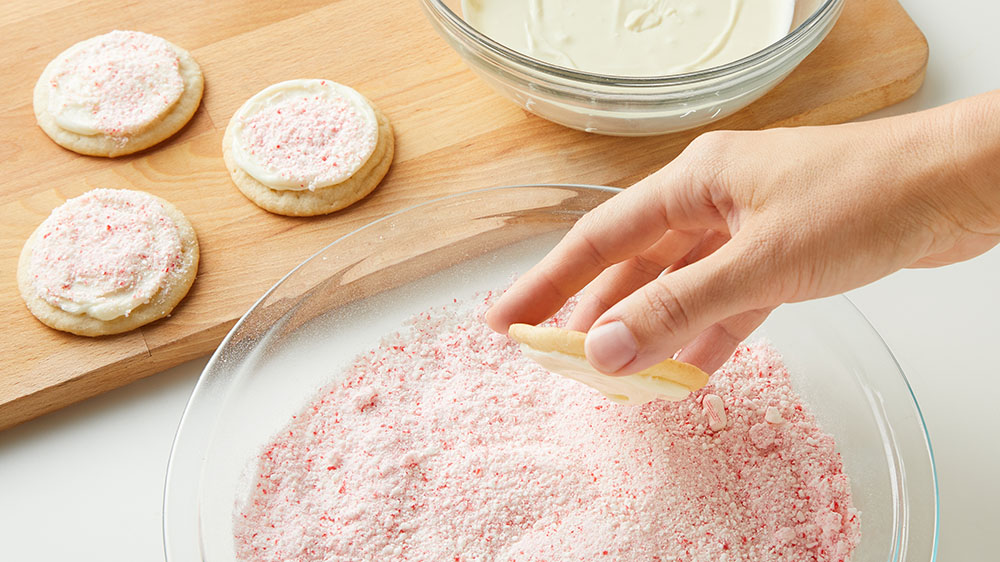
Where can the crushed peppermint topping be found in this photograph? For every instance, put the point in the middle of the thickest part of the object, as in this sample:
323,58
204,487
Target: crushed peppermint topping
104,253
445,443
117,84
314,136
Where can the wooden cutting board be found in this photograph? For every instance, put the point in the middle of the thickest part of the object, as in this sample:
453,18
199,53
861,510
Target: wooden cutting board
452,132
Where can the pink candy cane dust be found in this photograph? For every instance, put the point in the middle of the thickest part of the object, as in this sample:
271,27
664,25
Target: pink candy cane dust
124,80
445,444
105,243
313,141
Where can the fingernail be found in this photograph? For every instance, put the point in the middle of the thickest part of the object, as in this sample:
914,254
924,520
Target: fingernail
611,346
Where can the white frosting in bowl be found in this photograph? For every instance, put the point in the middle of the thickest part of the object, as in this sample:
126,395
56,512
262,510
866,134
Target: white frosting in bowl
633,37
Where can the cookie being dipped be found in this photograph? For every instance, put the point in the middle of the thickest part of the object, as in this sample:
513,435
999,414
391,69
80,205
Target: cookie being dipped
561,351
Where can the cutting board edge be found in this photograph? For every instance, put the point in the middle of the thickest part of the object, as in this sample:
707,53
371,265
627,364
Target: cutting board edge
870,100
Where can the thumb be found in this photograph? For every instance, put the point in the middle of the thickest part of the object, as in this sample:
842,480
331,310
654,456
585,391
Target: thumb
655,321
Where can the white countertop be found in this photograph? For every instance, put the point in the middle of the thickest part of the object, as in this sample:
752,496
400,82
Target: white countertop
86,483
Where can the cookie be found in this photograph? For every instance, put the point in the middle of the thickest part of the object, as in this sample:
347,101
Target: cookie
307,147
107,262
117,93
561,351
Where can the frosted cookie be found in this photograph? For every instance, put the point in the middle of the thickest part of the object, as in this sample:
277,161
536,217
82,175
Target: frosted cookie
117,93
108,261
307,147
561,351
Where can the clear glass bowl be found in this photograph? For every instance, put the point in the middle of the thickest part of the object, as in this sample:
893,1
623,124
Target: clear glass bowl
338,303
630,106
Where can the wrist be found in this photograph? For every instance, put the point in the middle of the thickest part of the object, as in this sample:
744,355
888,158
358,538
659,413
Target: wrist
973,129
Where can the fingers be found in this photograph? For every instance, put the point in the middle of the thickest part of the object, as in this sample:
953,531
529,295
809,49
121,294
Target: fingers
710,242
617,230
620,280
714,346
653,322
613,285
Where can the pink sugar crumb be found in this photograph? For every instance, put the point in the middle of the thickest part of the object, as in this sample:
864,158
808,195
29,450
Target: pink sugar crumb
444,443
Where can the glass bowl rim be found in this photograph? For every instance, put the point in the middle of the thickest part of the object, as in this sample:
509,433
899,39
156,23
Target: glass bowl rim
223,346
920,417
748,62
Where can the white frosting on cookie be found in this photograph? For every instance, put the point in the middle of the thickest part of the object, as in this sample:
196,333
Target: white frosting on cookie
104,253
630,389
304,134
117,84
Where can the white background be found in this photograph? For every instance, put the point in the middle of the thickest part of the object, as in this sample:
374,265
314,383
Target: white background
86,483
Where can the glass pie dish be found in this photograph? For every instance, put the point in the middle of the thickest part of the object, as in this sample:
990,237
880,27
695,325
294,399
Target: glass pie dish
633,106
342,300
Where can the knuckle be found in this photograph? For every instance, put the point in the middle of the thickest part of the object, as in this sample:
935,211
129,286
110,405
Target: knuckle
710,154
559,289
711,146
594,252
647,266
581,240
711,140
665,311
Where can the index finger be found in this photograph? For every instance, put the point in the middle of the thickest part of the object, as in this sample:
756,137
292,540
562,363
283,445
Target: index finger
614,231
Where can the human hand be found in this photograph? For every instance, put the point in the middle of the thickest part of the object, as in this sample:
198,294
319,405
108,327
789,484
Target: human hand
694,257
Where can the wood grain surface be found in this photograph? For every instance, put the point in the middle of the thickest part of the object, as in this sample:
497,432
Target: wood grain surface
453,134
